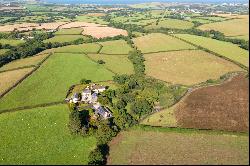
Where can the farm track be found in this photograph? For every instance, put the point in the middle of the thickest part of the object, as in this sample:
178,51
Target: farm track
26,76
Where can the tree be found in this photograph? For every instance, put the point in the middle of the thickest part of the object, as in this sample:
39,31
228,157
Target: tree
100,62
96,157
74,122
85,81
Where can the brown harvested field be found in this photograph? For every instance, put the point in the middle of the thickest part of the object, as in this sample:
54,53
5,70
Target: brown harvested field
101,32
8,79
79,24
30,26
23,26
24,62
220,107
138,147
187,67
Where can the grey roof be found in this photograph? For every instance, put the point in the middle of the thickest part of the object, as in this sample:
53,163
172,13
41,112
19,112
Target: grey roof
76,95
86,91
101,111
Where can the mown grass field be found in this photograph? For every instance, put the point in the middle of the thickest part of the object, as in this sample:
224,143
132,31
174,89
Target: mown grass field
119,64
51,81
11,42
91,19
24,62
187,67
64,38
157,42
115,47
41,136
81,48
70,31
166,146
233,27
171,23
8,79
226,49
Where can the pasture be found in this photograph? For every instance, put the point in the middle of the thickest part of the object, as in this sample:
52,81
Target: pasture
30,61
225,49
172,24
235,27
41,136
157,42
81,48
220,107
12,42
90,19
10,78
119,64
115,47
187,67
63,38
52,80
169,147
102,32
70,31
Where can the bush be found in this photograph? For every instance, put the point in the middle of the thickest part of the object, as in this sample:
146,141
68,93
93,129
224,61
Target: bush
100,62
96,157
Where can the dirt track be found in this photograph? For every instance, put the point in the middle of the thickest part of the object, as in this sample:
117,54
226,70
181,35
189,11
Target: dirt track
221,107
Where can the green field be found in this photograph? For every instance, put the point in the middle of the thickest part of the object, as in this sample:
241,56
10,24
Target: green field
119,64
51,81
81,48
152,146
11,42
213,18
71,31
24,62
157,42
41,136
171,23
200,20
226,49
115,47
64,38
187,67
90,19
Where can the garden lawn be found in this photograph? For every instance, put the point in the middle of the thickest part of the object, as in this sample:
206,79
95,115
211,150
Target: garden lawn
30,61
70,31
157,42
172,24
64,38
115,47
41,136
119,64
11,42
52,80
187,67
226,49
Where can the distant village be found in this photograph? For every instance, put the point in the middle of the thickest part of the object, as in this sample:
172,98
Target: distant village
89,96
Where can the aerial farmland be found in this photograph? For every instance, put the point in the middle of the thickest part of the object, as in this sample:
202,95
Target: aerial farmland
124,83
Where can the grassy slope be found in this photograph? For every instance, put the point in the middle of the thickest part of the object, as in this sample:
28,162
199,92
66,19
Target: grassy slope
52,80
11,42
171,23
71,31
41,136
8,79
225,49
159,42
115,47
119,64
166,147
24,62
63,38
187,67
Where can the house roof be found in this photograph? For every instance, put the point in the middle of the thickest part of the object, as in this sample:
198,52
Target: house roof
86,91
103,112
76,95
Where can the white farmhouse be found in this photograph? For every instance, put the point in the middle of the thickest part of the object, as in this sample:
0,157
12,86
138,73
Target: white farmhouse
86,95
